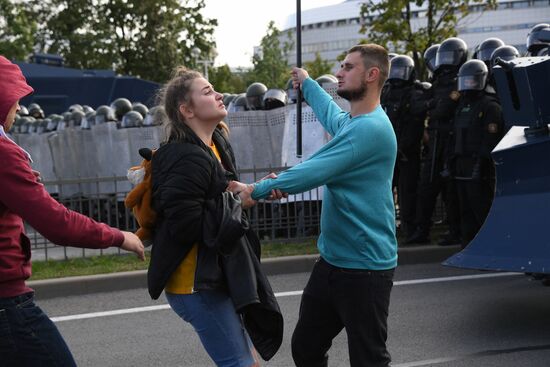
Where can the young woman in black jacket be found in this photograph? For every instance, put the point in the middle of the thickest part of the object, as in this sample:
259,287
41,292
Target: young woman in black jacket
217,291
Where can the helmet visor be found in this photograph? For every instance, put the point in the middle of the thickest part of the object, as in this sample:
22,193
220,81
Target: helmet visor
485,55
446,58
471,82
400,72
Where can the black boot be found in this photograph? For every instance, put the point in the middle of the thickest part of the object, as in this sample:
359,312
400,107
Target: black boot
420,236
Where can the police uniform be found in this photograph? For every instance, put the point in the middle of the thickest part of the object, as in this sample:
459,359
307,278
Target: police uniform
434,171
406,106
478,127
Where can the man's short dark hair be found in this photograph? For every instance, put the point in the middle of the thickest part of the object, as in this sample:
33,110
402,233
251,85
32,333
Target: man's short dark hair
374,55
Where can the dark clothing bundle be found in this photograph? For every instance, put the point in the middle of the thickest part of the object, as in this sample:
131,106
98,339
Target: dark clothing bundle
192,207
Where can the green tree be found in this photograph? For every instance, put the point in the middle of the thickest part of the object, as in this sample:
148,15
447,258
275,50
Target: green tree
226,81
318,66
144,38
389,23
270,65
17,29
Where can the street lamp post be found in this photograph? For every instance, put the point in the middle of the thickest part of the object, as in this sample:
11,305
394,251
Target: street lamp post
196,52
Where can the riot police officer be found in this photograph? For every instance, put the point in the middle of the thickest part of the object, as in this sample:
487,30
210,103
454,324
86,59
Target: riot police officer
141,108
120,107
274,98
434,175
155,116
104,114
405,102
478,127
238,104
131,119
36,111
535,45
255,96
326,79
486,49
429,59
505,53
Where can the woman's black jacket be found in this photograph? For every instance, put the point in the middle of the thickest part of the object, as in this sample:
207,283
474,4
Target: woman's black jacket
188,192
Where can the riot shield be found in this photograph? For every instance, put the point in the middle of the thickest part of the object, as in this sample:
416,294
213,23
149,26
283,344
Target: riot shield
65,164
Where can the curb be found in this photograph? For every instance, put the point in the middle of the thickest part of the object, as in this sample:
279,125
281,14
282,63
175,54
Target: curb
81,285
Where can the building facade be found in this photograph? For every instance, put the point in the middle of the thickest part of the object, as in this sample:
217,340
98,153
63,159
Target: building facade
333,29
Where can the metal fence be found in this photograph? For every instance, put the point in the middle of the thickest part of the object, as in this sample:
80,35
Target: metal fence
292,219
279,221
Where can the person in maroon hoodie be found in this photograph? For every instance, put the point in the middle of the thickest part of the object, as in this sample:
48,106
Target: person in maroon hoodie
27,336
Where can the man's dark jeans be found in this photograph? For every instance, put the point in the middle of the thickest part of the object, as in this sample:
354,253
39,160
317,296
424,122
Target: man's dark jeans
28,337
337,298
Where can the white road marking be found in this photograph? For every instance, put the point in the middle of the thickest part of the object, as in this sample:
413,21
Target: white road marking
278,295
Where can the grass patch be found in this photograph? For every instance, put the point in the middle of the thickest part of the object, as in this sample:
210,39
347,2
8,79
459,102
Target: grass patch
86,266
116,263
289,249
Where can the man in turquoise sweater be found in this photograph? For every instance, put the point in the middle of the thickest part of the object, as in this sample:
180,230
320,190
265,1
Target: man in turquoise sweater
351,283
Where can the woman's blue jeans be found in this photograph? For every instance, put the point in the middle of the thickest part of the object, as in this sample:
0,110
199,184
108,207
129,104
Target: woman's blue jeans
220,329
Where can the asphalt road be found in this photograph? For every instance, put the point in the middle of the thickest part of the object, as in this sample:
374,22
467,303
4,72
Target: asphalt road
438,317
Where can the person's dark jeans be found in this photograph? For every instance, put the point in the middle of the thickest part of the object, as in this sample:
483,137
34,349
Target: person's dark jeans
28,337
337,298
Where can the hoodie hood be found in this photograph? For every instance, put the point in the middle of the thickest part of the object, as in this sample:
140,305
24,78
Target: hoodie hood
13,87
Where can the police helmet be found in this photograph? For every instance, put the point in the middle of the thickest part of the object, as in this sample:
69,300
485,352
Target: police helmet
228,98
131,119
452,52
486,49
76,107
120,106
35,111
475,54
23,111
33,126
472,75
429,57
326,78
391,55
402,68
238,104
87,109
255,96
155,116
16,124
54,120
291,92
88,121
104,114
47,124
534,43
40,126
505,53
274,98
141,108
76,118
24,124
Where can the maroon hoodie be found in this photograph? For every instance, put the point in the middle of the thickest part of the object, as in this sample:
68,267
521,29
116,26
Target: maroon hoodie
22,197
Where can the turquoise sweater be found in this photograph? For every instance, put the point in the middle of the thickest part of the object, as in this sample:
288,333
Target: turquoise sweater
356,166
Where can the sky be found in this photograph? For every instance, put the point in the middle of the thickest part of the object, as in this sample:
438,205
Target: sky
243,23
